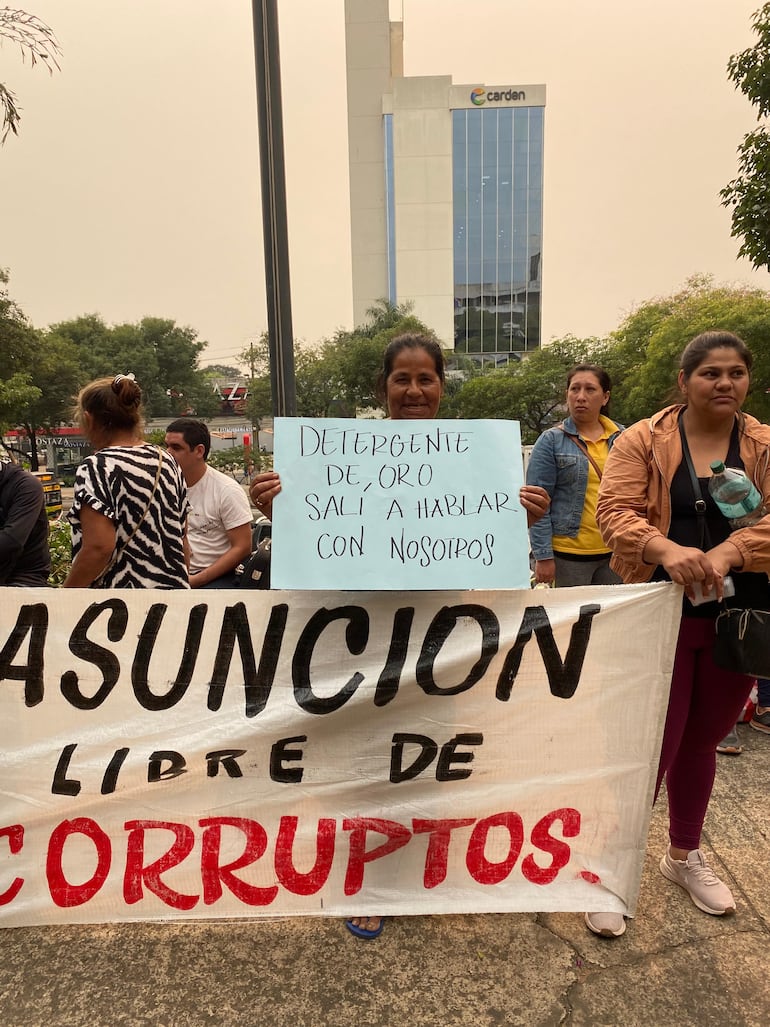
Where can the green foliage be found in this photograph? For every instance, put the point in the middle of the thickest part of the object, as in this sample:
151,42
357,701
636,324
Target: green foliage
652,338
156,437
55,371
352,360
748,195
37,374
41,372
340,374
17,336
163,355
316,382
750,70
228,459
641,358
256,357
213,371
235,458
16,393
531,392
60,546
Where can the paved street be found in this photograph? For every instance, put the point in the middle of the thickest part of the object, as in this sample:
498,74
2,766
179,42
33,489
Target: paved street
675,966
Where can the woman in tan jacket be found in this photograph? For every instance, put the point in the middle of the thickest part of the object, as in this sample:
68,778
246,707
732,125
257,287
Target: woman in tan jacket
648,516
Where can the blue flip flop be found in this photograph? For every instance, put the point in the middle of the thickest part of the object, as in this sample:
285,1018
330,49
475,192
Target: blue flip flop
363,932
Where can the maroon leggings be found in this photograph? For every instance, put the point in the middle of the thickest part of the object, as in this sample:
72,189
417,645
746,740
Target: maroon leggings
704,704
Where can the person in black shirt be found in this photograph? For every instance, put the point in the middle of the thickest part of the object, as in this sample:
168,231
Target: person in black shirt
24,556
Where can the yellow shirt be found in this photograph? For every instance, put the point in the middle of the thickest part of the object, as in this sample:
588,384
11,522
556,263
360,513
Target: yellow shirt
588,541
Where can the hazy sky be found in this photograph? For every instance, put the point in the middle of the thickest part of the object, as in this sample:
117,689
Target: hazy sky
133,188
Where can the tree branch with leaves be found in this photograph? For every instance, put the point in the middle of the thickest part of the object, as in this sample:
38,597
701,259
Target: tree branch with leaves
748,195
37,44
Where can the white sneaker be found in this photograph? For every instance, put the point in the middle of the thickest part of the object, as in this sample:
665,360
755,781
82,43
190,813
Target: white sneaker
606,925
700,882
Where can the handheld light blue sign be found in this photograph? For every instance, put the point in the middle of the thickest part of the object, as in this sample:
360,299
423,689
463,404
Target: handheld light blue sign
380,505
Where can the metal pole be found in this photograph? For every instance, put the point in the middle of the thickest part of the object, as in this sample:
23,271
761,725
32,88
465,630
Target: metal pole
274,222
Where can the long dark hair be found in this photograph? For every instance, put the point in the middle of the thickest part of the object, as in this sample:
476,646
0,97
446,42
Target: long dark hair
601,376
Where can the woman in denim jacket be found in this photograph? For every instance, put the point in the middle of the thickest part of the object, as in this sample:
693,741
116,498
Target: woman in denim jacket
567,461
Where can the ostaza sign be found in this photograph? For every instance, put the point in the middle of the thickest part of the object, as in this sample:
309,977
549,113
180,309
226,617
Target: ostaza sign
174,754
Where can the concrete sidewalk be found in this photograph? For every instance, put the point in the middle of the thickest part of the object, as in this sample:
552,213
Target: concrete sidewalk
674,966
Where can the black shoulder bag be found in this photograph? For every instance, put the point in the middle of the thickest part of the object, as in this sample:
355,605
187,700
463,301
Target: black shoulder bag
742,642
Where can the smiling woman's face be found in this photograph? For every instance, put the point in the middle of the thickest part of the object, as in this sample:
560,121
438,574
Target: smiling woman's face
413,388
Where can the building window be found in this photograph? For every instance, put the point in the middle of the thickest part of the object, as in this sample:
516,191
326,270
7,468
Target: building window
498,228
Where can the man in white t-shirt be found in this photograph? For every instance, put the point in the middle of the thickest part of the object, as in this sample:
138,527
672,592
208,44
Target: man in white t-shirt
219,520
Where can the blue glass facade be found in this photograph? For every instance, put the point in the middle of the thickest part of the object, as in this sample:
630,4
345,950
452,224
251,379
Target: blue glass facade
498,230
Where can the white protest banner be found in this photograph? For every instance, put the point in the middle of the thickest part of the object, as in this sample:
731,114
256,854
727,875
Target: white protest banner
226,754
398,504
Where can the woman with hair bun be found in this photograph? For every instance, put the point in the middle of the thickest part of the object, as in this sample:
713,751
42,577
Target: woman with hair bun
129,514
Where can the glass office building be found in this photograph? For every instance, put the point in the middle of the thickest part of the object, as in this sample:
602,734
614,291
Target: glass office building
446,187
497,200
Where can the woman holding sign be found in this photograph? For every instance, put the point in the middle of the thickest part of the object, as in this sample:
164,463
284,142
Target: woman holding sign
411,384
656,513
568,461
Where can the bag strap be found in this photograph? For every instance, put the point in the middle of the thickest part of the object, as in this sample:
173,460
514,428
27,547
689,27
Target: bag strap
583,449
119,552
700,502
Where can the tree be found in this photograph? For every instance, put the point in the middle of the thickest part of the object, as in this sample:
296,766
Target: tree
384,315
658,331
37,43
259,402
16,393
531,392
749,194
163,355
340,374
17,337
38,375
355,357
220,371
316,381
56,375
182,386
18,341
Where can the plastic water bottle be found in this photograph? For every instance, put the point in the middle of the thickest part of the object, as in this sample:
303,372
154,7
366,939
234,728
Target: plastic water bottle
735,495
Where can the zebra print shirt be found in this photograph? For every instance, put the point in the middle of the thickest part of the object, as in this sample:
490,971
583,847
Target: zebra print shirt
118,482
